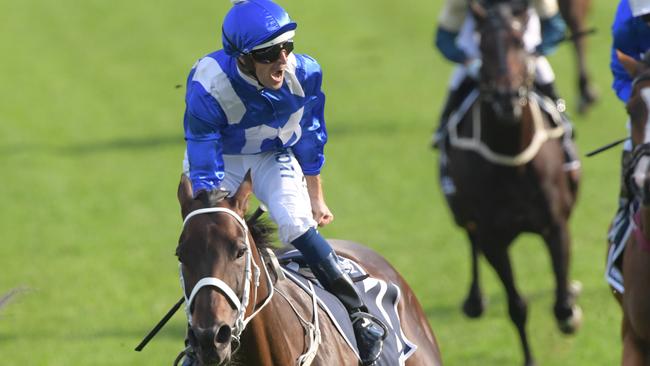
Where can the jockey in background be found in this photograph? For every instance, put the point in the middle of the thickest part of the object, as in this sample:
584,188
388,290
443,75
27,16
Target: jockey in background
457,40
631,36
257,106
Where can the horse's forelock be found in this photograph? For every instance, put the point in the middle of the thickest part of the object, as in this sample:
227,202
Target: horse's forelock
213,197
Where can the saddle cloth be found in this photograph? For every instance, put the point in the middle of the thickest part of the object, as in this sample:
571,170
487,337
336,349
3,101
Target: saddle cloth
619,233
380,297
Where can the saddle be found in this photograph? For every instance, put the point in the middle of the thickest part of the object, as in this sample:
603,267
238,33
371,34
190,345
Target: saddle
380,297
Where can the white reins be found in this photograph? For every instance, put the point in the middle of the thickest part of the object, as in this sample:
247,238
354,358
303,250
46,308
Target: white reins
474,143
249,276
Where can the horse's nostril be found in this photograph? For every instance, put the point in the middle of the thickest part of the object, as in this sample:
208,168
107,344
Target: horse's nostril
223,335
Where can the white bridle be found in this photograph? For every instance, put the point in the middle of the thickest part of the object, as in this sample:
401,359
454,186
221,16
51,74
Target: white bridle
249,276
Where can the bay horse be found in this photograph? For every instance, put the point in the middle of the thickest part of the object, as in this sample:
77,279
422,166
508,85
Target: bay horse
241,312
574,13
502,169
635,300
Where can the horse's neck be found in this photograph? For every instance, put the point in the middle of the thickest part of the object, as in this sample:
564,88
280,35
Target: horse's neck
274,336
265,341
258,343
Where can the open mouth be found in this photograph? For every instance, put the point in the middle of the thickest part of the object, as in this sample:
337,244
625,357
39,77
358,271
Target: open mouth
277,76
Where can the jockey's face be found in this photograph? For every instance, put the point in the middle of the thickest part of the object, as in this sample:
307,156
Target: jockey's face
271,75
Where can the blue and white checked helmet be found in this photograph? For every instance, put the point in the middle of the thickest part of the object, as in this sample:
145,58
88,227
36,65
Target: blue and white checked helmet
253,24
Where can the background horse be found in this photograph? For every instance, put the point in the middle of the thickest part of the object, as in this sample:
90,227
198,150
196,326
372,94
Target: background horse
575,13
509,177
636,258
275,329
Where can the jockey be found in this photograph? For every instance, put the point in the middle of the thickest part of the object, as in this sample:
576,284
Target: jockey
255,105
456,40
631,36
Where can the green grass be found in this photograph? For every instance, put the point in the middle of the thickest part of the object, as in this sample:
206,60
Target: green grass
91,147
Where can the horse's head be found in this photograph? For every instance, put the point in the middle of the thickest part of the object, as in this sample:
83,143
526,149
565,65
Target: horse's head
214,251
638,108
508,69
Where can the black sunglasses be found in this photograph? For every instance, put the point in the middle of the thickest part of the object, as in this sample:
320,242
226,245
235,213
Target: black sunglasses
646,18
271,54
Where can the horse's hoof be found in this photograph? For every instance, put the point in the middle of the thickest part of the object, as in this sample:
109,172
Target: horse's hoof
474,307
530,363
586,101
571,324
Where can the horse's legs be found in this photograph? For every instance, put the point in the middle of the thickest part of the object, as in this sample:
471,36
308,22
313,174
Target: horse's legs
568,315
474,303
574,13
497,255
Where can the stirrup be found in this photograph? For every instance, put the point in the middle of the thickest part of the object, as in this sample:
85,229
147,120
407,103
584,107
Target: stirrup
373,342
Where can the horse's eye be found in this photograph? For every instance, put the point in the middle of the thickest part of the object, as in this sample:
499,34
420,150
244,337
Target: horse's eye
241,252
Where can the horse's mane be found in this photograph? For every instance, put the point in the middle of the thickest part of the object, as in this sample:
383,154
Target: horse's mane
262,231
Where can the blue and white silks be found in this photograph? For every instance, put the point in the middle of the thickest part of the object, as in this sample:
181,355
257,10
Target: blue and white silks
228,112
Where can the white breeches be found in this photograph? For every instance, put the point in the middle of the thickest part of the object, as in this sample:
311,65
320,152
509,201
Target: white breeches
278,182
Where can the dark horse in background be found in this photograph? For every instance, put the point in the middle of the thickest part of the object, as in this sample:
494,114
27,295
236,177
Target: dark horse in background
635,299
505,161
574,13
241,309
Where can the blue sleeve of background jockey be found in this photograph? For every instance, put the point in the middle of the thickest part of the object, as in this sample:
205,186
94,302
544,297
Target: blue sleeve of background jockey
309,150
624,40
202,122
446,43
553,30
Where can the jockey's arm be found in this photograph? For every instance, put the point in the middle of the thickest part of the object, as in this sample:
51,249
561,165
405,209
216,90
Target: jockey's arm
552,25
450,22
322,213
625,41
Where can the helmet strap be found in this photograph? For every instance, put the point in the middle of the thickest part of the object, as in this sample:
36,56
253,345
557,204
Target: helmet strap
247,65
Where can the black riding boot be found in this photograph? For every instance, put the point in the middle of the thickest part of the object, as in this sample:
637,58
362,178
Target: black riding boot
570,154
369,331
454,98
624,196
615,234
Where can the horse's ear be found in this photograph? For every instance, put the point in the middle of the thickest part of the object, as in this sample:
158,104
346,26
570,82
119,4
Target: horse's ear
478,9
240,199
630,65
185,195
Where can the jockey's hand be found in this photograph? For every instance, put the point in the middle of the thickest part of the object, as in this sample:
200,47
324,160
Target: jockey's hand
322,213
473,68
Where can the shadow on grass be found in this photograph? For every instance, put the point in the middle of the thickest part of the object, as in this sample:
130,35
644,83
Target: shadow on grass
94,147
381,128
170,331
444,310
125,143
